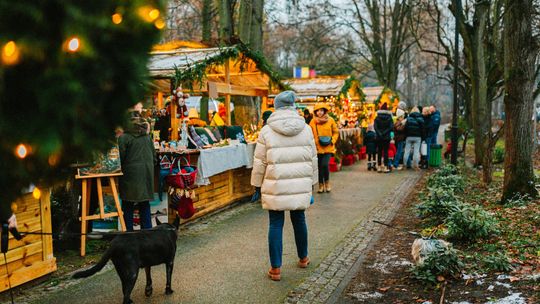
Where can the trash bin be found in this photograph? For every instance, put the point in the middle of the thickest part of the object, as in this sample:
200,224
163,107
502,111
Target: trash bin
435,155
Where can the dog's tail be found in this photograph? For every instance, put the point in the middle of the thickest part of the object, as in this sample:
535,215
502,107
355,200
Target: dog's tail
92,270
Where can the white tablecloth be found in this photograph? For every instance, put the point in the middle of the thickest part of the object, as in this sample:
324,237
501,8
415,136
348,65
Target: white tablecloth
217,160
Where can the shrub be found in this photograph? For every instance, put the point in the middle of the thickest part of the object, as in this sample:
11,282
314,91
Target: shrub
454,183
498,155
518,200
470,223
442,262
498,261
438,205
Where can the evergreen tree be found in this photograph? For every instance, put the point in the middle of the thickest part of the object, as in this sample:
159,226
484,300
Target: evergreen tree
68,71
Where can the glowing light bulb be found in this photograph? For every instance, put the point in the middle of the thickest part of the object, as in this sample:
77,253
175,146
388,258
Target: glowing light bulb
36,193
21,151
117,18
73,44
153,14
159,24
10,53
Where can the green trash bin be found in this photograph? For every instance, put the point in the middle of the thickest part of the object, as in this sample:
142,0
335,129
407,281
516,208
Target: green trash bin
435,155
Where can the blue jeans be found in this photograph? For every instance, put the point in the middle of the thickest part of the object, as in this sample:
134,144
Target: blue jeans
399,153
144,214
324,170
275,235
431,140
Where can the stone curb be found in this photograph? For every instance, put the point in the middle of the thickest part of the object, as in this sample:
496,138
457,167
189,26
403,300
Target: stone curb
334,273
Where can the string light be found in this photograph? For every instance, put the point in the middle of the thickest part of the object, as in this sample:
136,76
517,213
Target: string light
10,53
73,44
21,151
148,13
36,193
159,24
117,18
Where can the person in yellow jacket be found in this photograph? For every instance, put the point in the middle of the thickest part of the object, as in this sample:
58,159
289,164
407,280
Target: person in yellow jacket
326,134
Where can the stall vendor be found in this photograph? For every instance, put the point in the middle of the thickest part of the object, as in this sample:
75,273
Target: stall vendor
194,119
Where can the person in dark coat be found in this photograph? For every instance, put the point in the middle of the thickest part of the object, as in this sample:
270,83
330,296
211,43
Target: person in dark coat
137,156
399,134
307,116
370,141
426,136
414,130
384,125
434,124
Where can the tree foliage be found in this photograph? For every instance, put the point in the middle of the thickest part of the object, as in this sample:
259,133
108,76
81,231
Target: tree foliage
64,105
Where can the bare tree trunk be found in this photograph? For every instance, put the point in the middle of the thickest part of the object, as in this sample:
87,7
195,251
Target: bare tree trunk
226,25
207,20
250,23
519,58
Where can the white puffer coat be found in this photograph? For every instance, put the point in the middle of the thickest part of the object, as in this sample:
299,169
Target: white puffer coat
285,162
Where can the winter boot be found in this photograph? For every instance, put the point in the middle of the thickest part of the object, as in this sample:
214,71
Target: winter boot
327,187
369,166
321,188
303,263
274,274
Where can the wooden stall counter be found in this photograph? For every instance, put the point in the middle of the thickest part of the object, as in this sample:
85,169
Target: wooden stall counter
31,257
218,190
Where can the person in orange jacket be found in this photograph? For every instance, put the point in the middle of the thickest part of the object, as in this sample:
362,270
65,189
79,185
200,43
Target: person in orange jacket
326,134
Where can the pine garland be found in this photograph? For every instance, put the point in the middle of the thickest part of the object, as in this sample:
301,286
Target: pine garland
387,90
347,86
196,73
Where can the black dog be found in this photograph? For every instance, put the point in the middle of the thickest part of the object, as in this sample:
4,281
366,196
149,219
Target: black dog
135,250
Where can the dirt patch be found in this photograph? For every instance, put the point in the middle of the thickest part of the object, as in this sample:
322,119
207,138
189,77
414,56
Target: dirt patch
384,274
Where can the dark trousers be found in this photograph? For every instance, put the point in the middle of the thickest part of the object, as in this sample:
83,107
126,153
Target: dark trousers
324,171
382,151
371,156
275,235
144,214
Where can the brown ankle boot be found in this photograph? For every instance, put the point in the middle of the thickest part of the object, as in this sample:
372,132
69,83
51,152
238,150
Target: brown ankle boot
321,188
303,263
274,274
327,186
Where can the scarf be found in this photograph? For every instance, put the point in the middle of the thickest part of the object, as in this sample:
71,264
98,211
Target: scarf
321,120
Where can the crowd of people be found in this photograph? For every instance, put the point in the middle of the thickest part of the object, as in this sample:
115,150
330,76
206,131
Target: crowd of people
395,140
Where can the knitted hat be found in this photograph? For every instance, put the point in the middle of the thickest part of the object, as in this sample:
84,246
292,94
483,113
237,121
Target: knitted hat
384,106
285,99
266,115
402,105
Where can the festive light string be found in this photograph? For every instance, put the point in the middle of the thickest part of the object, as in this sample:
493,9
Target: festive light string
73,44
10,53
117,18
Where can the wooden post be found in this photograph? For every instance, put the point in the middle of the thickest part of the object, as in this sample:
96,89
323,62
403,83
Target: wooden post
174,120
159,100
264,104
228,96
45,205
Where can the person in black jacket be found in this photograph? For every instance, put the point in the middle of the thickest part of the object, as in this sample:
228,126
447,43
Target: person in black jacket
384,125
414,131
370,141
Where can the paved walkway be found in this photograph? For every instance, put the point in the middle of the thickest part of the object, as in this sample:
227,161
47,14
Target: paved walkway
224,259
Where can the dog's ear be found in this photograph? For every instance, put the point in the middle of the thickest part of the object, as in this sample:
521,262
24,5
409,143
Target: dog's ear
157,221
176,222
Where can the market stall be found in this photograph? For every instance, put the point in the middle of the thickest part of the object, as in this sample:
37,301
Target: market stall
222,154
31,257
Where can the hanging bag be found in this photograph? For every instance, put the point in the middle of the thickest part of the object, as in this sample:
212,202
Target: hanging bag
323,140
182,204
182,180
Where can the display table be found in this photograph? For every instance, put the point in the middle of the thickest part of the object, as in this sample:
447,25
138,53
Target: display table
223,178
217,160
350,132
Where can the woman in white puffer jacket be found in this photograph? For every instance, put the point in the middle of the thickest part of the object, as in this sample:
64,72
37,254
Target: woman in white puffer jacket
285,170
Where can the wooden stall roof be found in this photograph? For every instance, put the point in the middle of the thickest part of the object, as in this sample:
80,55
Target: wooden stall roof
307,89
372,93
246,70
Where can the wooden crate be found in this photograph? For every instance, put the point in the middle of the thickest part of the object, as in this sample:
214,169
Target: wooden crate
31,257
223,190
